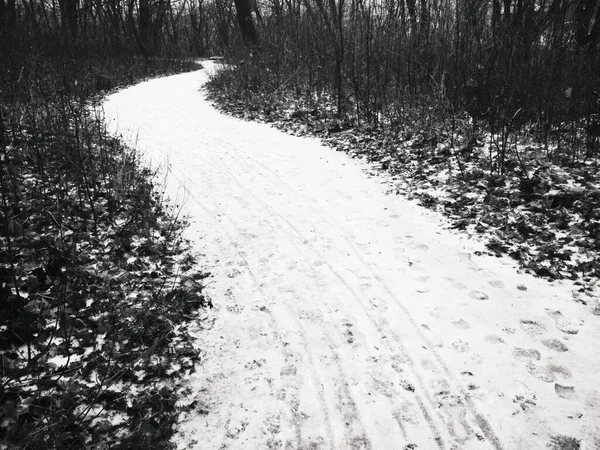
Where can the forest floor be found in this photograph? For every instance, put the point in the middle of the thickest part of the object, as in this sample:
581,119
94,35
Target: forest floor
97,282
345,317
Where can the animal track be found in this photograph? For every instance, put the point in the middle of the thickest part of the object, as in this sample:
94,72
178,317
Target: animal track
234,309
407,386
496,283
255,364
460,346
288,370
348,332
526,401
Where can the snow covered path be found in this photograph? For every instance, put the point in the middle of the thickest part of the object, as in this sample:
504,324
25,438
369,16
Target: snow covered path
346,318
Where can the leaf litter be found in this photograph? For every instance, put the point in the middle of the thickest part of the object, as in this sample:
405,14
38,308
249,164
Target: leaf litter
98,287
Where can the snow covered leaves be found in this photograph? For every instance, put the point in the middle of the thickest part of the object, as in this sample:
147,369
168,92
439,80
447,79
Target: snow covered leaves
96,290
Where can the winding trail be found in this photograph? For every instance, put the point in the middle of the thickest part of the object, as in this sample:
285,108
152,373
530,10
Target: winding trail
346,318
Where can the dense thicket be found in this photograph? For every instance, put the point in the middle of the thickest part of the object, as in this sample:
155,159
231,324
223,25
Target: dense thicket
96,284
508,64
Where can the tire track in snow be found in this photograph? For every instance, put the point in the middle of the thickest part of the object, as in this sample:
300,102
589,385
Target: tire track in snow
470,408
425,406
288,370
303,239
427,414
344,397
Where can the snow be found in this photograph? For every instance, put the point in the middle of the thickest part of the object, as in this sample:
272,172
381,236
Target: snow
346,318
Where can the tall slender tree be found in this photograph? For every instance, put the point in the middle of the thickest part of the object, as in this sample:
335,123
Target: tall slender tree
245,21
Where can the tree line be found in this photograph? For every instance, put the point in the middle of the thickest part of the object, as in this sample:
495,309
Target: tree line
507,63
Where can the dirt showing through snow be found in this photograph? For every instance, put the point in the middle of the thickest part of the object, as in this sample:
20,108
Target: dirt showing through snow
346,318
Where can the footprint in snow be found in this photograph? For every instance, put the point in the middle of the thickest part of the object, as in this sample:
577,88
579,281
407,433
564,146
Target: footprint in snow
529,354
422,247
532,327
477,295
460,346
463,325
288,370
365,282
456,284
493,339
548,374
406,413
234,273
466,258
422,288
555,344
565,392
562,323
499,284
235,428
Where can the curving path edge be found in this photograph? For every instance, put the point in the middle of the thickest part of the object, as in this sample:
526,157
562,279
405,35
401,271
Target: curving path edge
346,318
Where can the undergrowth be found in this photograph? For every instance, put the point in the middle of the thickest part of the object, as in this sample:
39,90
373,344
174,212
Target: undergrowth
97,283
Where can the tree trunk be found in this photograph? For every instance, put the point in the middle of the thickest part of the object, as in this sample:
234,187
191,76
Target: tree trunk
412,13
2,14
495,15
145,23
244,16
8,14
588,30
68,16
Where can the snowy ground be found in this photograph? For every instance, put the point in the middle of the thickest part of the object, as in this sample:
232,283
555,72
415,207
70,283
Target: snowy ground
346,318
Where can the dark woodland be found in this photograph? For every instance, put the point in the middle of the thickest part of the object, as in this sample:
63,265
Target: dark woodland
502,96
